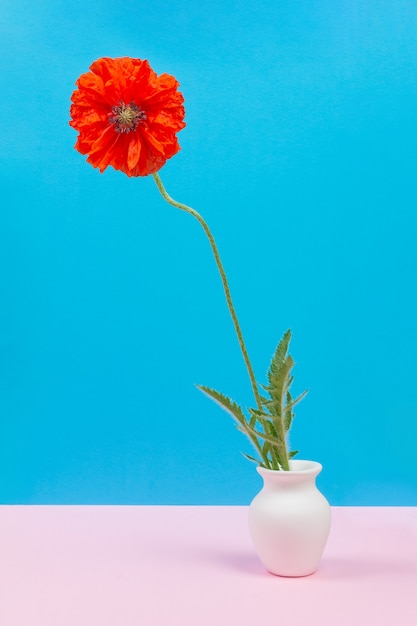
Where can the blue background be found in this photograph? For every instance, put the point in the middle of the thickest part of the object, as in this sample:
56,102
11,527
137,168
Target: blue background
300,151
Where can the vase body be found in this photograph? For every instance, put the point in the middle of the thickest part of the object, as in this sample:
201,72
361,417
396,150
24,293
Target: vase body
289,520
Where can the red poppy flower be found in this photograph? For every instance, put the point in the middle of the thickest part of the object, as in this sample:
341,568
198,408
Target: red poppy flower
127,116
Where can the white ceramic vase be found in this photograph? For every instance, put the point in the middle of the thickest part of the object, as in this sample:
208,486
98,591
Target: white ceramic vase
289,520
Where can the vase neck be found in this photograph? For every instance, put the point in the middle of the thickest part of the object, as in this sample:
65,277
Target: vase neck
301,473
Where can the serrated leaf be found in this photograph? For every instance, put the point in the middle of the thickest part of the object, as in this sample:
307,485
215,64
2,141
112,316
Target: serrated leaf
257,433
235,411
258,416
251,458
270,429
279,385
225,402
275,457
264,399
280,355
278,450
288,414
265,436
270,462
267,425
258,413
298,399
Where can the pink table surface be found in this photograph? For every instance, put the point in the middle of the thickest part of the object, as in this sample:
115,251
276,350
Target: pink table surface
195,566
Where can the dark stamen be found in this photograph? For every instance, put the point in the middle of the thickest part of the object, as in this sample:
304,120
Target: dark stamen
126,117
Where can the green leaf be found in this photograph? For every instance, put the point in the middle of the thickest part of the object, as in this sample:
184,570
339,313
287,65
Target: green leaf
258,414
253,420
279,356
297,399
279,378
290,404
268,436
264,399
278,450
251,458
288,414
270,429
267,426
226,403
256,433
292,454
266,452
279,386
235,411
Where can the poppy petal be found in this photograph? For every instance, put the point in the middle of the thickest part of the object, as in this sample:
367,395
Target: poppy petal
127,116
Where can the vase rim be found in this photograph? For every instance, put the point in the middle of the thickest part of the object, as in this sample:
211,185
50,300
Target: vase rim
298,466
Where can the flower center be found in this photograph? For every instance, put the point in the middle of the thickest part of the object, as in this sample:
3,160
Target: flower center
126,117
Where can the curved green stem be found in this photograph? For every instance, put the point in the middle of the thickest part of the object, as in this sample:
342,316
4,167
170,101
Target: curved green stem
226,288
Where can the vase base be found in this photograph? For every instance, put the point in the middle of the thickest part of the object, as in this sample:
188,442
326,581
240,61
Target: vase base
282,575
